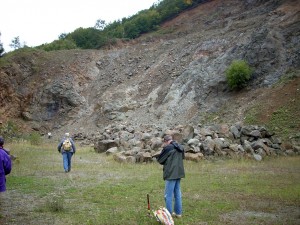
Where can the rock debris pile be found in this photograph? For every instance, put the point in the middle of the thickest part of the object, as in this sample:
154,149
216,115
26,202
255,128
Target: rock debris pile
144,143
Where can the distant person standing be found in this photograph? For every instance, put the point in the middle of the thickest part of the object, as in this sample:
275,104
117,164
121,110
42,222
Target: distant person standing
171,158
67,148
5,165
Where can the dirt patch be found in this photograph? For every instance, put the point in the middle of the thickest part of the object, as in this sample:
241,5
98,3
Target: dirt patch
278,216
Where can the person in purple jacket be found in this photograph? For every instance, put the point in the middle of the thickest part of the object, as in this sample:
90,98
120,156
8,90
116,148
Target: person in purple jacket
5,165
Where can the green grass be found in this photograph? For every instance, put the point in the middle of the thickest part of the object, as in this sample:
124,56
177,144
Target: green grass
99,190
252,115
285,121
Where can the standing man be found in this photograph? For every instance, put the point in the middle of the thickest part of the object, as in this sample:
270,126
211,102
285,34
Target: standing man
67,148
171,158
5,165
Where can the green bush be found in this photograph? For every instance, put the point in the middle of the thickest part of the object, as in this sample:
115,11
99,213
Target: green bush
237,74
59,45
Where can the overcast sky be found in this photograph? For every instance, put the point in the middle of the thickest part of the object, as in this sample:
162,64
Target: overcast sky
38,22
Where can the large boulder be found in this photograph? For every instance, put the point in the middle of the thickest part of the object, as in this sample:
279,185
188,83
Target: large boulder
104,145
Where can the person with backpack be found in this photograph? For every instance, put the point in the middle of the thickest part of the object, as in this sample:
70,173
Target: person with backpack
171,158
67,148
5,165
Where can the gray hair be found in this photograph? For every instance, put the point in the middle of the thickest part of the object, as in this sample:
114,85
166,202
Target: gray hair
167,138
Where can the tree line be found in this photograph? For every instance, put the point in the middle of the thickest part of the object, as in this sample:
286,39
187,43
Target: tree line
103,34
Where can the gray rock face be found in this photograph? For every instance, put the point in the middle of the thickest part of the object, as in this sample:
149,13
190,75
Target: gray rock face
174,79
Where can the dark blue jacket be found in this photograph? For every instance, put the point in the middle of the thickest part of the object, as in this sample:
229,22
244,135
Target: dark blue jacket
171,158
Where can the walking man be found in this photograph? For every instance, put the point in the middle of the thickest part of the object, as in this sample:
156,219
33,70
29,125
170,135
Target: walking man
67,148
171,158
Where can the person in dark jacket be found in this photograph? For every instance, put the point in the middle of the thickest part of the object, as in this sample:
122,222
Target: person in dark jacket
5,165
171,158
66,153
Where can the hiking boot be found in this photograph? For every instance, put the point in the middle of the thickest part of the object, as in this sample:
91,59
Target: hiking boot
176,215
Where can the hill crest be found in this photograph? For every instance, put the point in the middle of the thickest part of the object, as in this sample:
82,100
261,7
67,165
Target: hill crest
172,76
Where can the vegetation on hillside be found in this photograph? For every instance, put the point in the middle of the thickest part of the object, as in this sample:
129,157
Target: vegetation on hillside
237,74
278,109
102,34
126,28
282,112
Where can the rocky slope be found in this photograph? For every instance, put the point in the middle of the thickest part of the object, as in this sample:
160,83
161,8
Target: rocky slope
173,76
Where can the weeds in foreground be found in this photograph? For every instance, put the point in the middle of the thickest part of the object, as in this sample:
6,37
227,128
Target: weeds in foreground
54,203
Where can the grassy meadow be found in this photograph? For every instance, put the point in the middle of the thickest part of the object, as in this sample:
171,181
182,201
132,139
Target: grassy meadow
99,190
